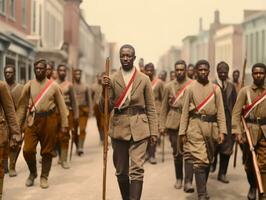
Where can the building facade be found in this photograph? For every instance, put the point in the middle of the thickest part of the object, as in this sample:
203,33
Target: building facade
15,25
47,29
254,37
229,46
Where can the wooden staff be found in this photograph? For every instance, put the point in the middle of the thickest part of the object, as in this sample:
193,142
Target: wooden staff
242,85
105,129
254,156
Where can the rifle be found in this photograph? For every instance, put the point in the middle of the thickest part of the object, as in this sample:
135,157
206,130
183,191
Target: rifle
242,85
105,129
254,156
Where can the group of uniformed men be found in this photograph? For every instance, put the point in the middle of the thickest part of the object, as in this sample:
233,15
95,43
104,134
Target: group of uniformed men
201,118
47,110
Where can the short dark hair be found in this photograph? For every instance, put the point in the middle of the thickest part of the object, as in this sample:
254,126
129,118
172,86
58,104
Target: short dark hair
222,64
127,46
202,62
149,65
236,71
260,65
181,62
190,65
61,65
51,63
10,66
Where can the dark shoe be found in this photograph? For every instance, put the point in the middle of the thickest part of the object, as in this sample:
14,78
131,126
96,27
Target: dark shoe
135,190
30,180
44,183
178,184
153,160
188,188
222,178
252,193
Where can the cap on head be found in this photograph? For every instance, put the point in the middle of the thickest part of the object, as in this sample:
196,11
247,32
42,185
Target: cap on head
40,60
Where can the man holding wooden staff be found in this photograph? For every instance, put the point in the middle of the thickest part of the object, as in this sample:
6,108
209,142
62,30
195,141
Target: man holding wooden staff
133,124
251,105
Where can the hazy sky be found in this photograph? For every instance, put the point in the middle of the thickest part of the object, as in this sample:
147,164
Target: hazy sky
152,26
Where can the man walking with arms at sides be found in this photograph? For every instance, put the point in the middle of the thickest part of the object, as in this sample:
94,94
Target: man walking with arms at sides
50,69
170,119
202,125
229,94
157,88
37,107
236,75
15,90
84,101
191,71
251,104
71,103
10,133
96,91
133,124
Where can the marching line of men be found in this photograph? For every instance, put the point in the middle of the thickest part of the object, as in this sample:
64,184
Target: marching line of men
201,118
48,110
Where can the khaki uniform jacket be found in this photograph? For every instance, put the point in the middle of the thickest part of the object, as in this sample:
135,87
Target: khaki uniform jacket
139,126
69,97
96,91
16,90
82,94
52,99
158,95
197,130
171,113
258,111
8,120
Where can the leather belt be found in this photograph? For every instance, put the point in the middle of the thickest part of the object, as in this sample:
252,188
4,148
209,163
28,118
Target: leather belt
176,109
205,118
130,110
44,114
256,120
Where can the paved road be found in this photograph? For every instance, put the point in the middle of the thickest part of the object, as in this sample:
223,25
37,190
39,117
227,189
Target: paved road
83,180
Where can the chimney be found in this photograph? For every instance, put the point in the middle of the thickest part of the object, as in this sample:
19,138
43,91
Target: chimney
200,24
216,17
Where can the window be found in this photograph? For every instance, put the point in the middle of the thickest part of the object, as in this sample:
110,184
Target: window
24,13
257,47
12,9
3,6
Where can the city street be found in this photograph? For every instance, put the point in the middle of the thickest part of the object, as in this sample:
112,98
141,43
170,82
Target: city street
84,180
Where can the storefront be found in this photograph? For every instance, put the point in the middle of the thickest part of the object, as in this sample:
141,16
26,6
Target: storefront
19,52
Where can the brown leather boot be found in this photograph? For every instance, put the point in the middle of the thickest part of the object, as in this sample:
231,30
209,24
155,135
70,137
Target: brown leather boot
64,163
46,166
1,187
124,188
12,163
135,190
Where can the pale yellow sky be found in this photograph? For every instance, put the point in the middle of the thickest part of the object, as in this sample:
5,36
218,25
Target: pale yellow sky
152,26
